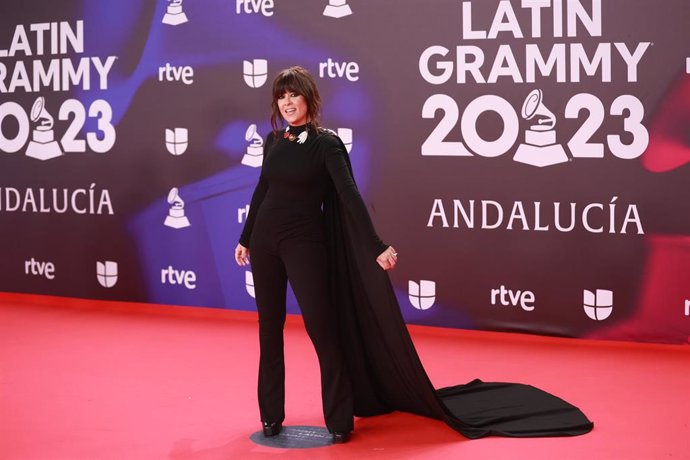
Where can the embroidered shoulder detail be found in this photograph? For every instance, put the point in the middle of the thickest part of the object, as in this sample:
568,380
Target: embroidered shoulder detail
328,131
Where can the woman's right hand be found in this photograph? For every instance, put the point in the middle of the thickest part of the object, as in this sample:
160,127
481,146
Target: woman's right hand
388,258
241,255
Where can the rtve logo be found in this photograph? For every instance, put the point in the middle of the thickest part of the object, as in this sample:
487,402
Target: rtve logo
264,7
598,305
508,297
423,295
332,69
168,72
242,214
255,72
34,267
106,273
173,277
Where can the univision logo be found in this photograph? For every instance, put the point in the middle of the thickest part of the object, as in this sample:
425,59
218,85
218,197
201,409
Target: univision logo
249,283
598,305
345,135
255,72
423,295
176,140
106,273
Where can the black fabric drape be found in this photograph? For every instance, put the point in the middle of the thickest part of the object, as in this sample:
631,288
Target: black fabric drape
386,371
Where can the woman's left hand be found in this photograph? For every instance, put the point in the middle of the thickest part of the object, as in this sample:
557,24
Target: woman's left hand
241,255
388,258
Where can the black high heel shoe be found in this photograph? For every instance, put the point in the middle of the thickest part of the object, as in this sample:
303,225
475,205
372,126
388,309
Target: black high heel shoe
271,429
341,437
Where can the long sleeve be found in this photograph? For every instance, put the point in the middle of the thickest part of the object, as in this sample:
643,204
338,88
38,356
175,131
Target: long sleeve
349,196
257,198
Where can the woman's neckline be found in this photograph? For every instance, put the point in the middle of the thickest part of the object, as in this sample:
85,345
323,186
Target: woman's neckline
298,134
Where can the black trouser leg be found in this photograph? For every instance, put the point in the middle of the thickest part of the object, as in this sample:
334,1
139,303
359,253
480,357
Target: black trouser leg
270,284
307,270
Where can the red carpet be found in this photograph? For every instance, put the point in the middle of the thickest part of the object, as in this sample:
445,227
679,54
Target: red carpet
102,380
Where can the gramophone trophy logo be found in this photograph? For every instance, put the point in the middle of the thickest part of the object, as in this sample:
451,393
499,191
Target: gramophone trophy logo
43,145
174,16
176,218
337,9
540,148
255,150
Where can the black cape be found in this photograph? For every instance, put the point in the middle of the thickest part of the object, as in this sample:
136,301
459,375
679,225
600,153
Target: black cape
385,369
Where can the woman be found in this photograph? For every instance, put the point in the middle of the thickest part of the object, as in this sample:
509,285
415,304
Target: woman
308,223
285,231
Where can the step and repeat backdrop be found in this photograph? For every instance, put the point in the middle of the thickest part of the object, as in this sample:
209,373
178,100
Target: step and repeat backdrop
527,158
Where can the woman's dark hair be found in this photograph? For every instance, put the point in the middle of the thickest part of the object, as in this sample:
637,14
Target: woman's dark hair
296,80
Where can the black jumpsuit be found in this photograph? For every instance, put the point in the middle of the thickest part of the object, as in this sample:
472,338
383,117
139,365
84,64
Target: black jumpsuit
285,234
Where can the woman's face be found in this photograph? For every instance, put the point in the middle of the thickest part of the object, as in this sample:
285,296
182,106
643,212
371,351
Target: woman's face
293,108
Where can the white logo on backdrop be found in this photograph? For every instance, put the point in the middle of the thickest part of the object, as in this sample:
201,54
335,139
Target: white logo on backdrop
337,9
333,69
176,140
43,145
345,135
249,283
106,273
53,57
35,267
598,305
255,150
540,147
423,295
172,276
264,7
242,214
509,297
687,308
183,73
176,218
255,72
174,16
87,200
523,61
